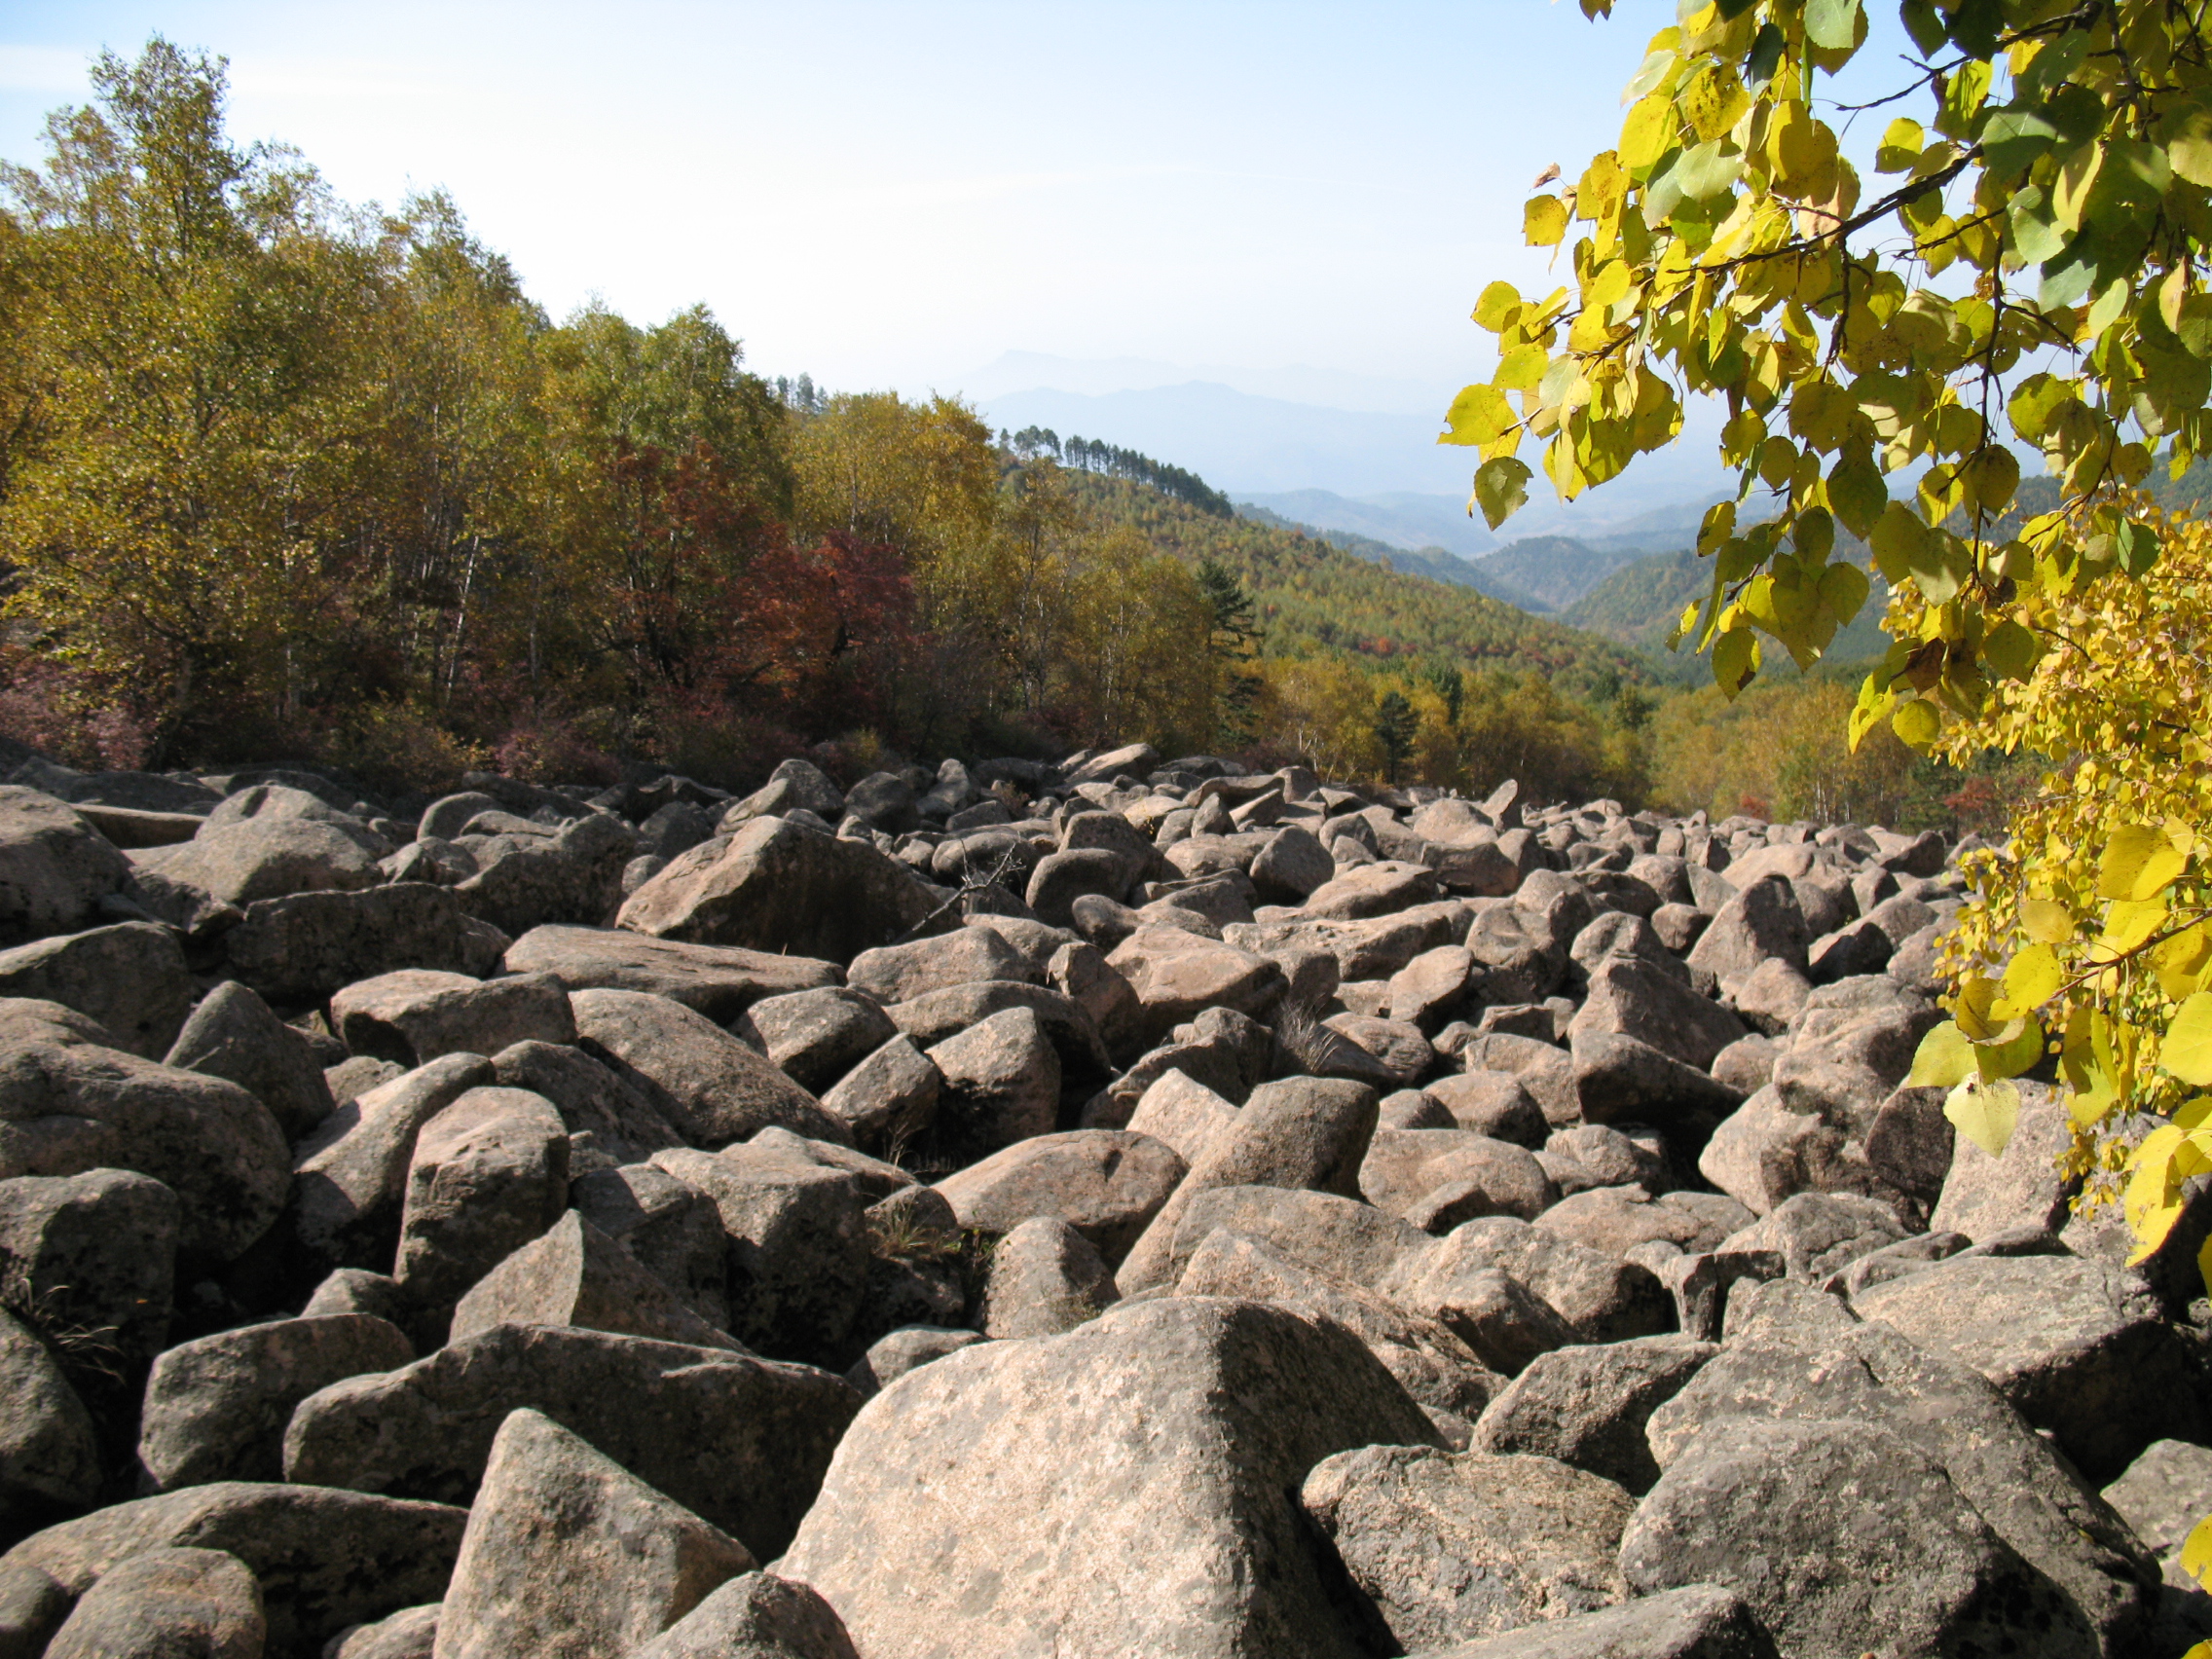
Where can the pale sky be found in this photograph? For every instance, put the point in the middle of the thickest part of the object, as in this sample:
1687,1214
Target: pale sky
893,195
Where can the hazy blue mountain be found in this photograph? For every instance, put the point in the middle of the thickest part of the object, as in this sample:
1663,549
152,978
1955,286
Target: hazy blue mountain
1241,443
1435,562
1096,377
1556,570
1397,519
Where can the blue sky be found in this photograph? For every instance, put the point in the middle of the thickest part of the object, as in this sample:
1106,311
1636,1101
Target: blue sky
897,193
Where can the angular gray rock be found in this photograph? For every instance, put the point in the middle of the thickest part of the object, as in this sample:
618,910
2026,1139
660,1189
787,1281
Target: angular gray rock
1800,1356
67,1108
573,1274
1436,1366
309,945
1602,1295
895,1354
1842,1537
1761,923
797,1253
167,1604
1001,1084
324,1559
1635,999
55,868
591,1099
816,1037
1486,1176
1044,1278
890,1098
1699,1621
131,978
569,1556
49,1458
899,973
252,858
574,874
32,1608
1310,1133
1820,1233
355,1290
1340,1237
667,1226
712,1088
777,886
1621,1080
216,1407
234,1035
351,1180
490,1173
1177,976
1588,1405
1455,1546
91,1255
939,1530
2078,1347
1983,1195
741,1442
412,1633
755,1616
1106,1183
719,981
413,1016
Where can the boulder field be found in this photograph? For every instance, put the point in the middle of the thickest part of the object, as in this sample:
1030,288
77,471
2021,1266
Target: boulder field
1126,1210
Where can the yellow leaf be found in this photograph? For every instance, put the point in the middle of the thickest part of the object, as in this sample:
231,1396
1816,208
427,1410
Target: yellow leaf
2153,1200
1647,132
2137,862
2128,923
2179,961
1974,998
2197,1548
1984,1112
2046,921
2033,977
2187,1051
2017,1048
1543,221
1944,1059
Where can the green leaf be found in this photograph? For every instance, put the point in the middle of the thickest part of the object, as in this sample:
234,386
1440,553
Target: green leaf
2187,127
1924,24
1706,170
1843,590
1735,660
2013,139
2187,1051
2017,1049
1899,542
2033,402
1832,25
1857,494
1984,1112
2011,650
1944,1059
2138,547
1917,723
1501,487
1478,415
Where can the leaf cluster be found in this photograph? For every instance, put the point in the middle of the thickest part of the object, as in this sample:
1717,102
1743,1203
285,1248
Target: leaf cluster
2024,273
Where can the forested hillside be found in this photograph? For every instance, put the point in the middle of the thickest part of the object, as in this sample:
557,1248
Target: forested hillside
280,475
